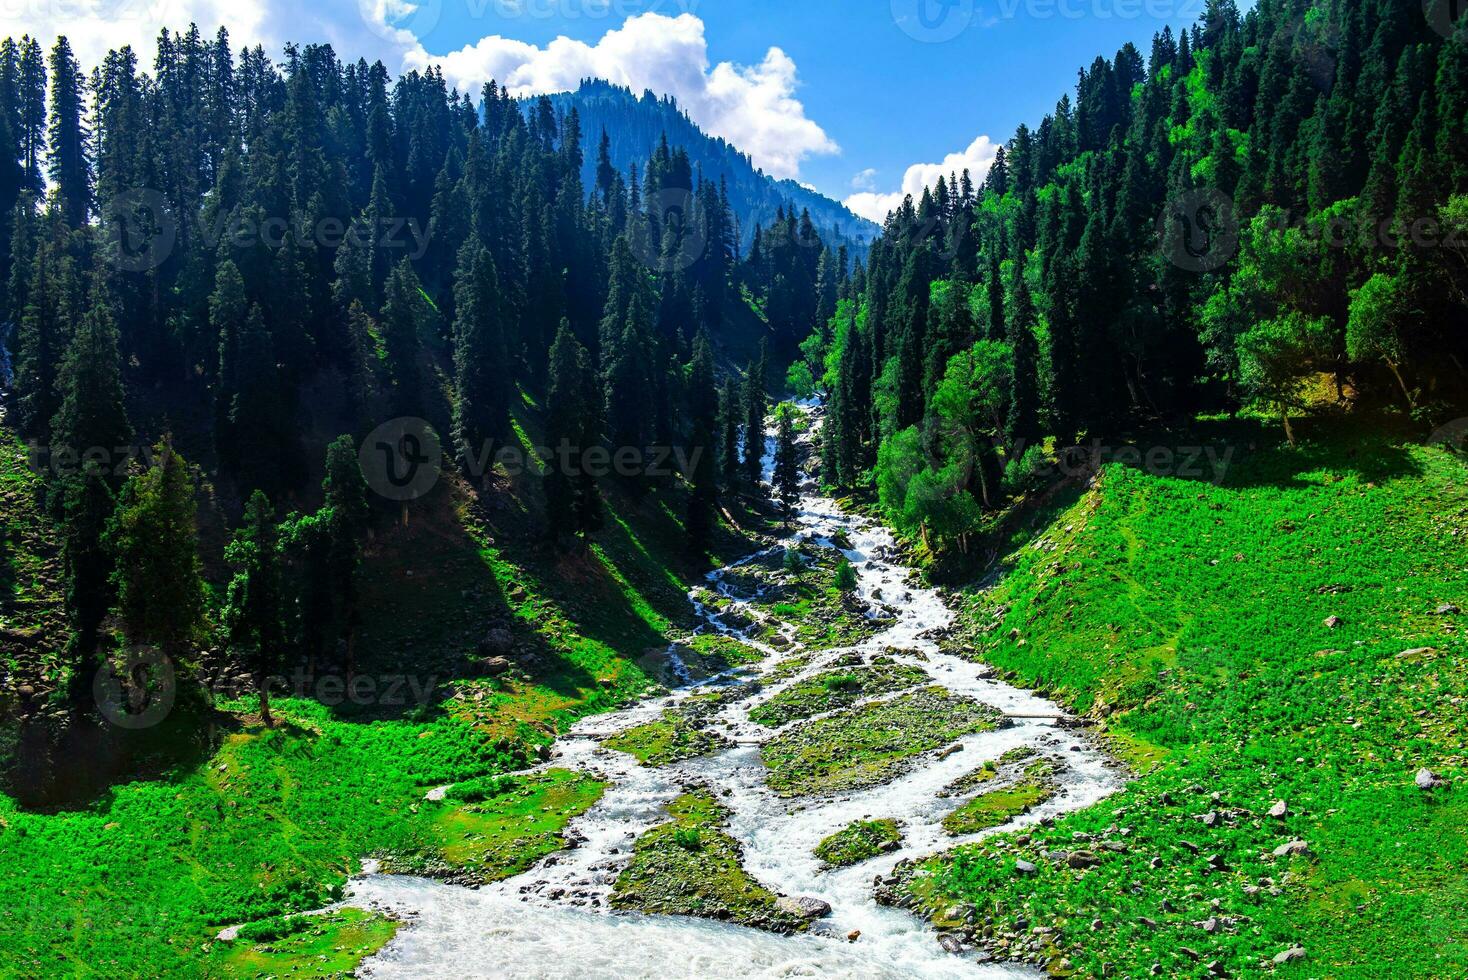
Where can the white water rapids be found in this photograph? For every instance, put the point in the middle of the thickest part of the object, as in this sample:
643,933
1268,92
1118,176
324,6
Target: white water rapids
553,921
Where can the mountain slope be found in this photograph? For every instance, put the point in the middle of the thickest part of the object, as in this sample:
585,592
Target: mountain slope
635,126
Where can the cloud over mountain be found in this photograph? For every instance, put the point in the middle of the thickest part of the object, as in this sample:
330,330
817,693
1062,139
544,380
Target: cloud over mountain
976,159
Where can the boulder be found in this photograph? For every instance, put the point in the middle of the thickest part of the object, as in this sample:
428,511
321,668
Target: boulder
1292,849
1082,859
495,666
805,906
1428,780
1289,955
497,641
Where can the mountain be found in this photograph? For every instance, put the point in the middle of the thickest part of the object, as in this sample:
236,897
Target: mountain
636,125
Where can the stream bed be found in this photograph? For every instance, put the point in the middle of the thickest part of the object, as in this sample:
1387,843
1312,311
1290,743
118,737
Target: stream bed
553,920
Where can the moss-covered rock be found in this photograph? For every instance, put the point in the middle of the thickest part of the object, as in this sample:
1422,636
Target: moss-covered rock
858,841
833,689
690,866
872,744
672,738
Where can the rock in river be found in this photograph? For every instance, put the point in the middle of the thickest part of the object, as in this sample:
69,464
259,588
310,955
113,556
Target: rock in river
806,907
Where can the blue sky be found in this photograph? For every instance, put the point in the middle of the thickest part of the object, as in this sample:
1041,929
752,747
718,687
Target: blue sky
888,97
862,99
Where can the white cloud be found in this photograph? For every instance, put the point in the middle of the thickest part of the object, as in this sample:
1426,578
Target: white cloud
752,106
866,180
976,159
356,28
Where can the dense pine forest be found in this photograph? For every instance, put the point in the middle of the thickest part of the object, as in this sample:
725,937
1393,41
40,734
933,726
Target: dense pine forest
244,268
1259,207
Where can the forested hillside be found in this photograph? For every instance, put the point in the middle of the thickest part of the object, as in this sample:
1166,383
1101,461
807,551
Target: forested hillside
223,274
1262,212
636,125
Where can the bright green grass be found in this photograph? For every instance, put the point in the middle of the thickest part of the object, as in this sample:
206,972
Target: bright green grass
313,947
671,738
509,823
997,806
871,744
137,881
690,866
1191,617
857,841
835,689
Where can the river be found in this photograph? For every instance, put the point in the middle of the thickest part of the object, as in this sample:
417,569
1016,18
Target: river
552,921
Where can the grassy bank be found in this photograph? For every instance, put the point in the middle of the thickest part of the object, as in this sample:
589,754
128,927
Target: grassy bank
1282,641
138,879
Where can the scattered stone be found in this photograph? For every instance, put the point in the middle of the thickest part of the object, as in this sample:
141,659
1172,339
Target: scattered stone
1082,859
497,641
1024,867
1289,955
1216,862
1279,810
1210,925
950,943
1189,846
806,906
1448,609
1331,622
1428,780
1292,849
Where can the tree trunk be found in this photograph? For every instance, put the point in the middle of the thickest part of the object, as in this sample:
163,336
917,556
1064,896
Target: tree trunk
1400,381
265,702
1284,416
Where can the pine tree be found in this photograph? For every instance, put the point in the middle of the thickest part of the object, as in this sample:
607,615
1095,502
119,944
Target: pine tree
51,303
31,114
787,460
253,603
482,379
92,416
87,505
69,167
401,321
731,414
573,502
1023,424
756,404
154,536
703,478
